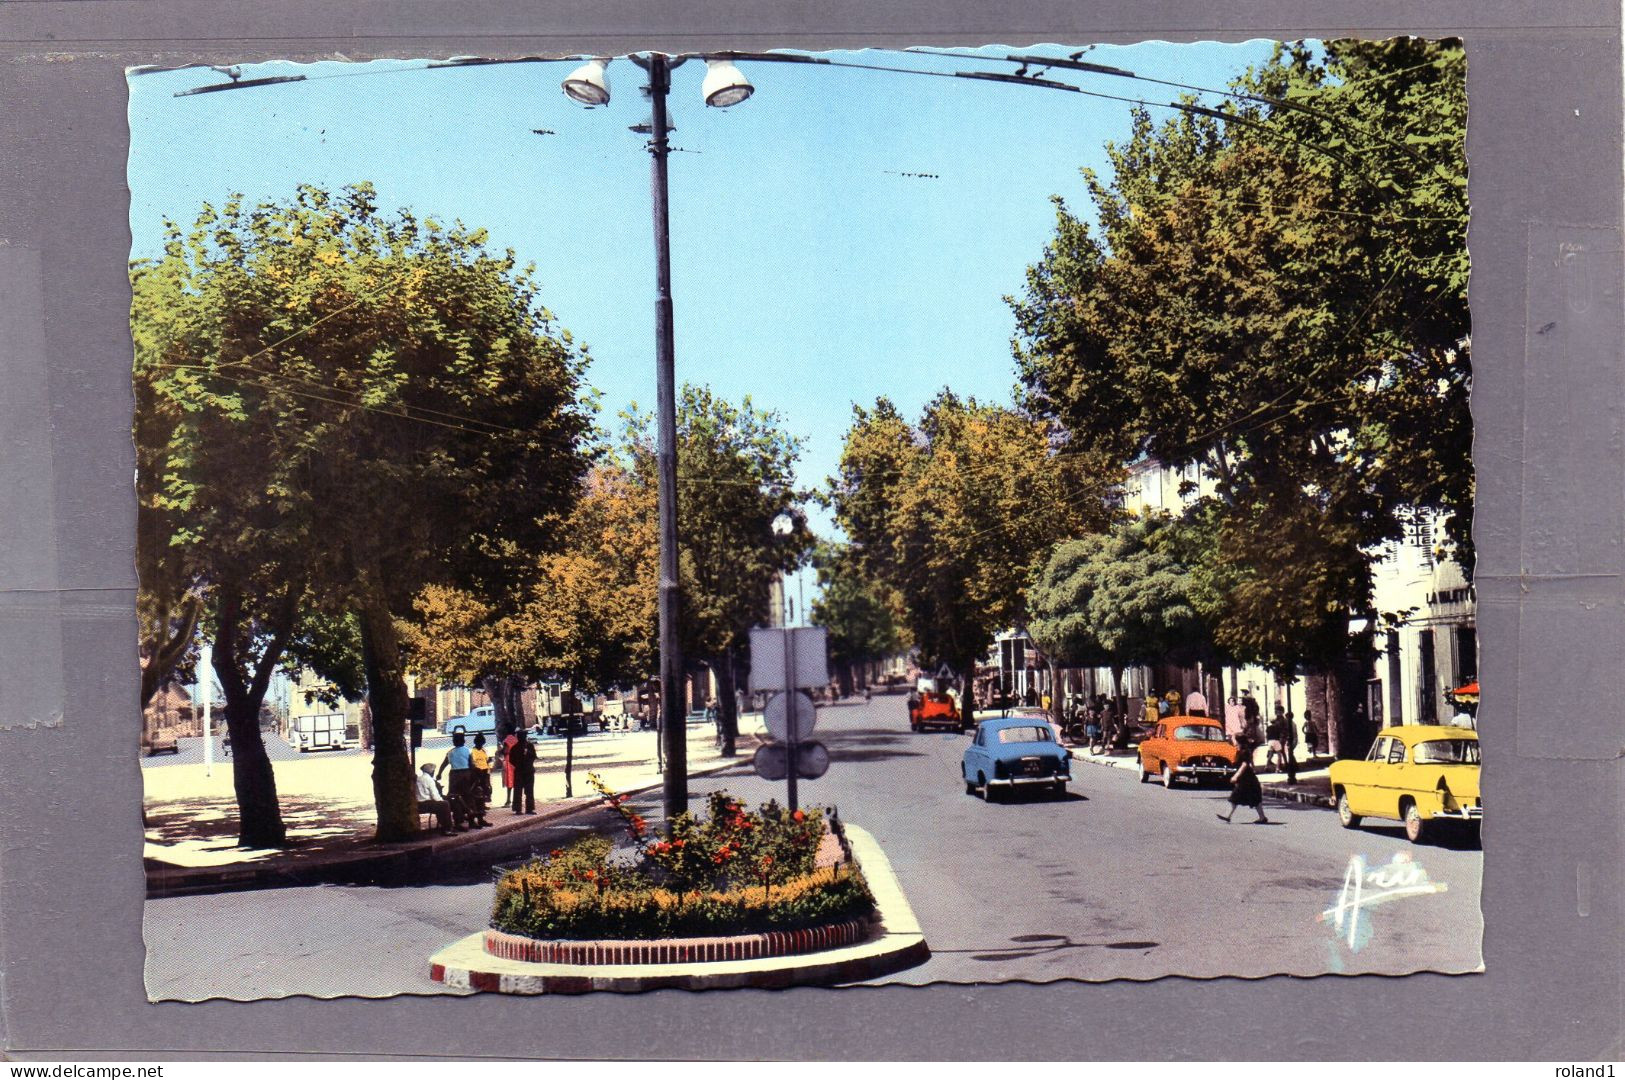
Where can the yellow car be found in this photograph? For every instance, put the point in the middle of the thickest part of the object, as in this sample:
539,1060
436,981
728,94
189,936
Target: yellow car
1413,774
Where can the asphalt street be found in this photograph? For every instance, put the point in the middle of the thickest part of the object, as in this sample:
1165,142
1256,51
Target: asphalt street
1117,880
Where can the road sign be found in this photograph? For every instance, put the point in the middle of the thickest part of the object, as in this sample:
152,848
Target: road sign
778,715
772,761
810,650
812,760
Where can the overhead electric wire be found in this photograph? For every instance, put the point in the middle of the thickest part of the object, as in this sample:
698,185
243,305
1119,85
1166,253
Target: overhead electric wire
1070,63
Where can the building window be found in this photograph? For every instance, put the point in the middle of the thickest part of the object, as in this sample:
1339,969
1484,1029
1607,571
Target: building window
1466,654
1430,679
1396,711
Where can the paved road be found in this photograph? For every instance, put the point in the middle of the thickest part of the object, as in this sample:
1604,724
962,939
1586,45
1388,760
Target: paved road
1119,880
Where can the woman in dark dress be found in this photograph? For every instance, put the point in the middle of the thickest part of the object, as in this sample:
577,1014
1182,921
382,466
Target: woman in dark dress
1245,789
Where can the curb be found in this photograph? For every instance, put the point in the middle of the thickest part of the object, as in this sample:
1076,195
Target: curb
465,964
187,881
1273,788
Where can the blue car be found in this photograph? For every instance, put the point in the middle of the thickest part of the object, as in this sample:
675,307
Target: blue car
1012,752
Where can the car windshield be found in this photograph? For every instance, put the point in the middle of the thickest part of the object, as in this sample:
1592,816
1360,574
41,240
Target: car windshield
1198,731
1023,734
1447,752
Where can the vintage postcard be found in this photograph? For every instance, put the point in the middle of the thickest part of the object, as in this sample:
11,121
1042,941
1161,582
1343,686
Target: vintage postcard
769,518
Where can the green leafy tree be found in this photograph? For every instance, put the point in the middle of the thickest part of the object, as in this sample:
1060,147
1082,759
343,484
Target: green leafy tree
1281,297
862,617
1118,598
954,514
735,476
365,405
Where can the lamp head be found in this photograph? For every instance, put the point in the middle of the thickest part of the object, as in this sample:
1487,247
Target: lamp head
724,84
589,83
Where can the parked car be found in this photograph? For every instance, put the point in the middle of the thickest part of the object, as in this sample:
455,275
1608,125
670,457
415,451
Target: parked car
1186,747
933,708
481,719
1416,774
160,744
1012,752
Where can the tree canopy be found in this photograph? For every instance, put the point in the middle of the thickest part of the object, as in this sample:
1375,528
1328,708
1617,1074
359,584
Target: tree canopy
954,513
863,617
356,406
1118,598
1278,293
735,477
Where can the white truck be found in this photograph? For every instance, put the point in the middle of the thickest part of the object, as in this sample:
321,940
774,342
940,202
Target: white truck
322,731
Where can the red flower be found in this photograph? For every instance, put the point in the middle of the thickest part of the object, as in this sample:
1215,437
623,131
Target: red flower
555,853
798,816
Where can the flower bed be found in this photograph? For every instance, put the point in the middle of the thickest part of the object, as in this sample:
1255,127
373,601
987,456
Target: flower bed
733,872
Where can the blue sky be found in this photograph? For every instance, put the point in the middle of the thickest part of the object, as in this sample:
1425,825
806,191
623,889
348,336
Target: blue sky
806,272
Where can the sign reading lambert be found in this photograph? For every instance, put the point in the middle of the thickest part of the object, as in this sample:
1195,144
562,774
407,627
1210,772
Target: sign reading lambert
809,652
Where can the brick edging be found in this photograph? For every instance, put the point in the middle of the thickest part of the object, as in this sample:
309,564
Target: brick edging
698,950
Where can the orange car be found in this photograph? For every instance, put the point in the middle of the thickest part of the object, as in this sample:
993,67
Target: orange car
1186,746
934,709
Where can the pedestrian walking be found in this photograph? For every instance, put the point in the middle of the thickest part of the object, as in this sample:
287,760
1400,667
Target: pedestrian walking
1245,790
504,754
522,760
432,801
1291,747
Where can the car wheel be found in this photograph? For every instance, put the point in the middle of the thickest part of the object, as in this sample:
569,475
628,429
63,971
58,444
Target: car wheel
1348,818
987,788
1060,789
1167,776
970,788
1145,773
1416,829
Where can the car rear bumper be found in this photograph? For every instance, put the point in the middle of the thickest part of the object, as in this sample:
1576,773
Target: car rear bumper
1461,813
1011,781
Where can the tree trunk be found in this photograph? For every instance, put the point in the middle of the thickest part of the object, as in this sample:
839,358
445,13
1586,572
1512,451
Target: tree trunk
727,702
245,678
392,785
162,656
506,693
1056,712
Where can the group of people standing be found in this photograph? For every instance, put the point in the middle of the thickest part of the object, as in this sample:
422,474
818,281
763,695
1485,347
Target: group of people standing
462,804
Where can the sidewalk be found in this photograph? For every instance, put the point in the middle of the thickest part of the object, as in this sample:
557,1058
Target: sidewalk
1314,785
327,806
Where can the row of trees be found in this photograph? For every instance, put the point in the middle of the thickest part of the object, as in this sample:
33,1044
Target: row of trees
1274,291
949,516
365,446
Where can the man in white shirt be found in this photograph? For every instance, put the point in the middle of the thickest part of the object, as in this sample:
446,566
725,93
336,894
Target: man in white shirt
430,799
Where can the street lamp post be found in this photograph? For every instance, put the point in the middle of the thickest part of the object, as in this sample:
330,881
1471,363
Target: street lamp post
723,86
